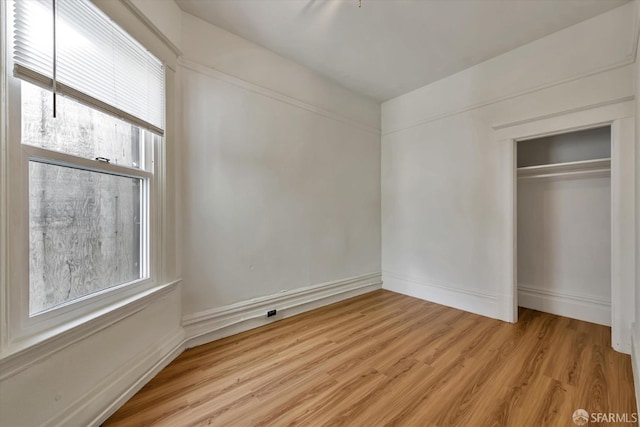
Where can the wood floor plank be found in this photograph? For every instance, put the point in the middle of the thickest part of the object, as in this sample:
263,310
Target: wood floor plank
482,382
388,359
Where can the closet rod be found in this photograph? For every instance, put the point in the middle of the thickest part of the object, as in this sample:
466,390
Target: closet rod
574,174
578,168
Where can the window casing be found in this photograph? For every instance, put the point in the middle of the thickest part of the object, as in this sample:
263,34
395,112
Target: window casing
41,188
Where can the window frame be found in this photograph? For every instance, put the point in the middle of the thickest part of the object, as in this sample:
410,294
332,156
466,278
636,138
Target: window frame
19,329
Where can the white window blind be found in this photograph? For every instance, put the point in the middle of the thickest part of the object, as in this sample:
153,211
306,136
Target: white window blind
96,62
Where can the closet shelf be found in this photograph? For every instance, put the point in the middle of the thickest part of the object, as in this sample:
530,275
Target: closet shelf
583,168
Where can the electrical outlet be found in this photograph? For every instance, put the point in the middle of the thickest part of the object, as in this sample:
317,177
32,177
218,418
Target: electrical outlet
271,313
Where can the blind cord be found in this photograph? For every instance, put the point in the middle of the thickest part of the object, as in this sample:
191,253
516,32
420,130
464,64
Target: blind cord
54,58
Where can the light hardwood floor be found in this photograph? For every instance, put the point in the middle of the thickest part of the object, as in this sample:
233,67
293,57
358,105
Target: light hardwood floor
389,359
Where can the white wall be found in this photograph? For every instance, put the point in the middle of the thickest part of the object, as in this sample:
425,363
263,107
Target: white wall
281,174
214,47
587,144
164,15
445,199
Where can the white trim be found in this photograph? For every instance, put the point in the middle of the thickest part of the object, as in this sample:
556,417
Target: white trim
450,295
565,112
142,368
211,72
635,354
565,122
26,356
636,33
151,26
57,158
4,174
622,232
588,308
508,295
210,325
622,205
623,63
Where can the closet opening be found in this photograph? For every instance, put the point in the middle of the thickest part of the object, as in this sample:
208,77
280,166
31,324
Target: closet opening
563,224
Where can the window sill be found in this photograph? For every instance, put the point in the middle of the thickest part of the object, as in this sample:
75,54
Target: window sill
22,354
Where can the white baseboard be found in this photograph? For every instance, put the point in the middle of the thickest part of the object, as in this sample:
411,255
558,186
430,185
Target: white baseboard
462,299
210,325
589,309
140,370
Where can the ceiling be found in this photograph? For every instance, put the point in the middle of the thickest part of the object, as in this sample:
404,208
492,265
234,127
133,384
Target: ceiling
389,47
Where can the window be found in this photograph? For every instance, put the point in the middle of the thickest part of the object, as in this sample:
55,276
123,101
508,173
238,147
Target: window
84,233
86,228
87,105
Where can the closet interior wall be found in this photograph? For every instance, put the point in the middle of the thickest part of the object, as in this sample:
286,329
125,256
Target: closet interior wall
564,224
